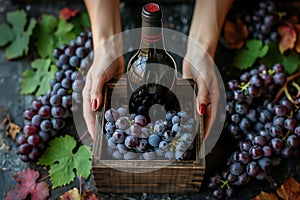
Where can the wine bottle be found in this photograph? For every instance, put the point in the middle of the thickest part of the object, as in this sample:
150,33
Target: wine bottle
151,69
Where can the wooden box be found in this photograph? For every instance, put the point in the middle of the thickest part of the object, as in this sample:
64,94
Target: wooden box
161,176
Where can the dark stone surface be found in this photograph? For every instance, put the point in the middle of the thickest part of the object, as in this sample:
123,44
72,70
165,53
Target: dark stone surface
11,102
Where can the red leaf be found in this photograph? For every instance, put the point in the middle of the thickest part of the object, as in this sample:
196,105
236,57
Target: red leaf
297,44
89,195
265,196
67,13
288,37
234,34
27,185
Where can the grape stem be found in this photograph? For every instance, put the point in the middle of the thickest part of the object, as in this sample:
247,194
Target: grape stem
244,86
284,88
286,136
225,183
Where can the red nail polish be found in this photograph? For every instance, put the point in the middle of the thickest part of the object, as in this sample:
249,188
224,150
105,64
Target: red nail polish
202,109
94,105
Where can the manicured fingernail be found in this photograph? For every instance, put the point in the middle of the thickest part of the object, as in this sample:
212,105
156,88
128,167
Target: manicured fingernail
94,105
202,109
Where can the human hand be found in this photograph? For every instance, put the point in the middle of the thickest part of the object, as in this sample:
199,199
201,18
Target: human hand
108,63
200,67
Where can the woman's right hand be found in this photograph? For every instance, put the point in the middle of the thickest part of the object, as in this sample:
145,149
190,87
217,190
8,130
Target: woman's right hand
107,64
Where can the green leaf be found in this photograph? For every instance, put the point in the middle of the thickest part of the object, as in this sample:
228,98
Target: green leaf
80,22
247,56
38,78
273,56
20,45
291,62
44,35
18,20
63,33
7,34
65,164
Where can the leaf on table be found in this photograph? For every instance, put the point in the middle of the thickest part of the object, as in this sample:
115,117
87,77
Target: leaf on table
71,194
28,185
67,13
38,78
291,62
273,56
7,34
265,196
44,35
63,33
289,190
247,56
89,195
80,22
288,37
20,44
234,34
11,129
65,164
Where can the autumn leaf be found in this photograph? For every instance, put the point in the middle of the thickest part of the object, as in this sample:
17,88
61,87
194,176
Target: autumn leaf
288,37
265,196
28,185
297,44
71,194
234,34
290,190
11,129
67,13
89,195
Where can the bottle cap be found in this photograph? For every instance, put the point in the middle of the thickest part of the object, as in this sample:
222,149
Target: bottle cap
151,13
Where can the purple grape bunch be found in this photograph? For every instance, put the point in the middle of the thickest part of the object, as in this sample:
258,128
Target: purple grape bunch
47,114
265,126
131,136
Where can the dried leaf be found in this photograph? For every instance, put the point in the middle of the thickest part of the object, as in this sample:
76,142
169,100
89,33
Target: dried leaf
67,13
11,129
290,190
234,34
288,37
71,194
28,186
265,196
89,195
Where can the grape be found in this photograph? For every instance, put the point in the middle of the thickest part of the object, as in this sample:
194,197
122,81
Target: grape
74,61
45,136
63,59
30,129
45,125
176,119
244,157
131,141
66,101
276,131
28,114
236,168
77,85
21,139
243,178
245,145
149,155
118,155
154,140
187,137
256,152
287,152
110,127
164,146
80,52
57,123
241,108
66,83
276,144
119,136
123,112
140,120
24,149
36,120
25,158
280,110
111,115
44,111
57,112
34,140
279,78
293,141
56,53
267,151
265,163
253,169
290,123
218,193
36,104
130,155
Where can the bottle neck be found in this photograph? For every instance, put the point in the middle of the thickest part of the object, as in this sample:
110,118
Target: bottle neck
152,35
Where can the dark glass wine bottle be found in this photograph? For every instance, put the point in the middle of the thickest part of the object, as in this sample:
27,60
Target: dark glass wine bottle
152,69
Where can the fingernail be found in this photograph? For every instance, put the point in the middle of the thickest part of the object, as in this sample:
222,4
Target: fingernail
202,109
94,105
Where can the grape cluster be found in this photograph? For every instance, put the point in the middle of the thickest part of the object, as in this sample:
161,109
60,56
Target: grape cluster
262,22
130,136
266,128
48,112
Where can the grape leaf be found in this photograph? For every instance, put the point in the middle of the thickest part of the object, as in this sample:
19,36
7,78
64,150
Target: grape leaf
297,44
65,164
265,196
273,56
7,34
234,34
80,22
288,37
71,194
67,13
247,56
20,45
89,195
291,62
28,185
44,35
11,129
289,190
63,32
38,78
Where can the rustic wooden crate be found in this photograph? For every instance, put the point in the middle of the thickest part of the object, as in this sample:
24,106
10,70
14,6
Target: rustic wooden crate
177,177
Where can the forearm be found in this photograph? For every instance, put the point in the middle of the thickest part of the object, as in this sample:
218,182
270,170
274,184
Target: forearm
207,22
105,18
